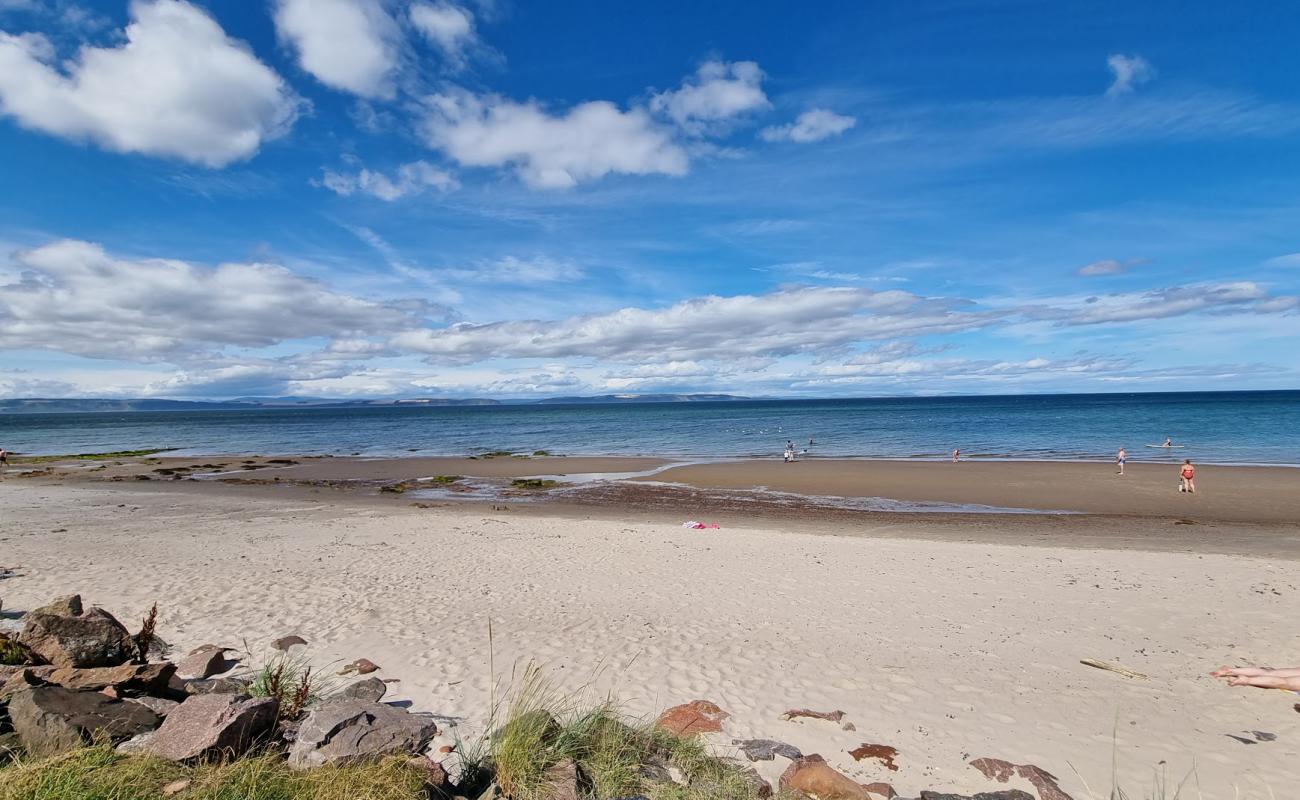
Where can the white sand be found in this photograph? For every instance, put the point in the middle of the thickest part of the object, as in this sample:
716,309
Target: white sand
946,651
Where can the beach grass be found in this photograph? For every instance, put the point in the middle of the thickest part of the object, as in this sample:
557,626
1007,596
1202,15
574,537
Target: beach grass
99,773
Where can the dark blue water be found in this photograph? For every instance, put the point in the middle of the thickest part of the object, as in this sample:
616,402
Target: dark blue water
1223,427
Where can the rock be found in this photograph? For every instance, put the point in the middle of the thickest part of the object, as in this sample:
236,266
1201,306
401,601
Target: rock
812,776
1042,780
757,785
136,745
176,787
204,663
67,606
214,686
1005,794
883,752
11,747
370,689
766,749
92,639
362,666
158,705
127,678
213,725
285,642
695,717
561,781
344,731
52,720
25,678
437,783
879,789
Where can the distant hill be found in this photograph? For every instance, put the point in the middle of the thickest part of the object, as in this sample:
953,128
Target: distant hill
38,405
642,398
85,405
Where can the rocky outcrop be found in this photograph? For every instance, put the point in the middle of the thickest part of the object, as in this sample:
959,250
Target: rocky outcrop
213,726
690,719
52,719
345,731
813,777
93,638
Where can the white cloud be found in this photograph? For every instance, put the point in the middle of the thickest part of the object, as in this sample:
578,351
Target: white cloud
1107,266
177,86
781,323
1290,260
1129,72
511,270
810,126
448,26
351,45
73,297
410,179
550,151
719,91
1236,297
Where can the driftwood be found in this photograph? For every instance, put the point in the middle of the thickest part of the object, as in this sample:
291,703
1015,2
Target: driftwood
833,716
1116,668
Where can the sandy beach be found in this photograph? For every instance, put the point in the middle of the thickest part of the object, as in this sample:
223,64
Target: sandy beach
946,649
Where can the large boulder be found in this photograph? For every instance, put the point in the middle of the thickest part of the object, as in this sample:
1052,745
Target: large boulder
52,719
345,731
212,726
93,638
812,776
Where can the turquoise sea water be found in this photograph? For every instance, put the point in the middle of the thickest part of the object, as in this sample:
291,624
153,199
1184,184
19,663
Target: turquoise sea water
1216,427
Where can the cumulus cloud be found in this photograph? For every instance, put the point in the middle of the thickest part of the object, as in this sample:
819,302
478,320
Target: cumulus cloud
550,151
350,45
810,126
719,91
74,297
409,179
177,86
1129,72
447,26
788,322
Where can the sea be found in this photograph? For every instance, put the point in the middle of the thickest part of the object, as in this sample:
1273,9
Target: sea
1209,427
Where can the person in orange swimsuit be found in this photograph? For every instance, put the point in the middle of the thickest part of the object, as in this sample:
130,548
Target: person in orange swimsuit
1188,474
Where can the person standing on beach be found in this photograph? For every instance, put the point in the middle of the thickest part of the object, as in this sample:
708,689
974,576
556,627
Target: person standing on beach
4,457
1188,474
956,456
1119,459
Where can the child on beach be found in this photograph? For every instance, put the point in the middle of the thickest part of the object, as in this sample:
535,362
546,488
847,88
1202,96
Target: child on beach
1188,474
1119,459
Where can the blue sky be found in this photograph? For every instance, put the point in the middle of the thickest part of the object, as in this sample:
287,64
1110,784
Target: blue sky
386,198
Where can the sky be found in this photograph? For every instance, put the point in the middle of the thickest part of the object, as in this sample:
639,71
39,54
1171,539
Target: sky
498,198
